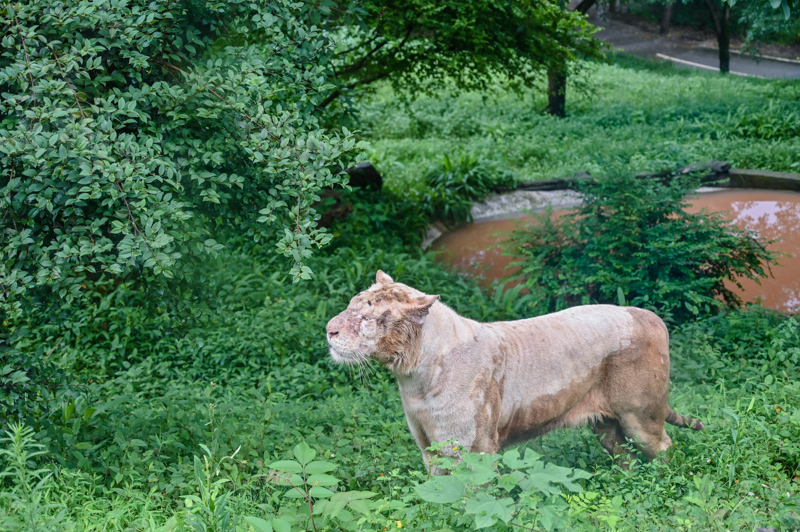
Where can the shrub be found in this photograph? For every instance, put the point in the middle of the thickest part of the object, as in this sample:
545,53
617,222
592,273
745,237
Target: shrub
131,132
29,384
632,242
25,497
454,187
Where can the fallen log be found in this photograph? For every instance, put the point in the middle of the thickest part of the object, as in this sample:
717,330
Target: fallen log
711,172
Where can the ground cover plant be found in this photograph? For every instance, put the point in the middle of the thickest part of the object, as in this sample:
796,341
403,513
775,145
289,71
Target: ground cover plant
214,407
632,116
203,430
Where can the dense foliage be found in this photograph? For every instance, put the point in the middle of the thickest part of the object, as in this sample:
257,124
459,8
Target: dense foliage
211,405
198,429
755,22
638,117
132,132
631,240
424,46
453,187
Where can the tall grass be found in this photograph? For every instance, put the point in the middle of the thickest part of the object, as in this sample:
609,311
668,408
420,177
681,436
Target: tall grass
634,116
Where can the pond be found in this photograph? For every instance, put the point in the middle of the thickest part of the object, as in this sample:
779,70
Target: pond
774,215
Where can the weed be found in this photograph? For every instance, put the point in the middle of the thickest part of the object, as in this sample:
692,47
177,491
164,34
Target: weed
27,494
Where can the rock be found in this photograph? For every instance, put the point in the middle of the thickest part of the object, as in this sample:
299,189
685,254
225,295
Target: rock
364,175
764,179
337,210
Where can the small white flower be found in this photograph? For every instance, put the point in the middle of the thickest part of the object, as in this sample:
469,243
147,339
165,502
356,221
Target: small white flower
333,455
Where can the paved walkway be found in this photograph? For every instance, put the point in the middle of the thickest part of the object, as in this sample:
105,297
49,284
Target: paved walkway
688,55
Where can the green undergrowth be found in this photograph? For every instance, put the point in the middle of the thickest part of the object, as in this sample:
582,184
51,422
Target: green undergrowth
162,425
633,116
121,455
210,403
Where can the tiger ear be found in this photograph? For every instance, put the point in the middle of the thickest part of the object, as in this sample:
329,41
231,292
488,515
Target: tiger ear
382,278
421,306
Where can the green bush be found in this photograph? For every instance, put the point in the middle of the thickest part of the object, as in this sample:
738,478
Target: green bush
454,187
131,132
30,383
632,242
123,453
134,138
774,122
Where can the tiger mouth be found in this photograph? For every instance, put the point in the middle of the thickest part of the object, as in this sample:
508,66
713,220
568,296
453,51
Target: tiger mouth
342,356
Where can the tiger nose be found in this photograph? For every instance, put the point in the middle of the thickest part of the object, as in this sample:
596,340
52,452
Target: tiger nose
332,328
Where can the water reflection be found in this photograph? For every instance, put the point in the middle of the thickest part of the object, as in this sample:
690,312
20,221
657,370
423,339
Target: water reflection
773,215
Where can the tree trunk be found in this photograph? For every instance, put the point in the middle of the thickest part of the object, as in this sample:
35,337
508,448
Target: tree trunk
666,17
722,23
557,91
724,39
557,74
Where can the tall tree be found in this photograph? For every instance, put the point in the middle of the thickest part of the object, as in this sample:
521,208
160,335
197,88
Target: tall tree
770,20
760,16
558,68
666,17
421,45
720,11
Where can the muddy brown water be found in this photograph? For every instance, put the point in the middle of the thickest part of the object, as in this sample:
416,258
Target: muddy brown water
473,249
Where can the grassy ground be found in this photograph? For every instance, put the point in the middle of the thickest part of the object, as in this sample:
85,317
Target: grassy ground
634,116
172,421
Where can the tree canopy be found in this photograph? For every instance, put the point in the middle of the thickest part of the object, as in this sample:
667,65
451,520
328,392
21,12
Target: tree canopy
420,45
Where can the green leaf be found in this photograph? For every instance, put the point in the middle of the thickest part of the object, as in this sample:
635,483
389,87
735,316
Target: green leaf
288,479
353,495
304,453
319,466
258,524
621,297
281,524
476,469
287,466
340,500
512,458
362,506
322,480
541,477
487,510
441,490
319,492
